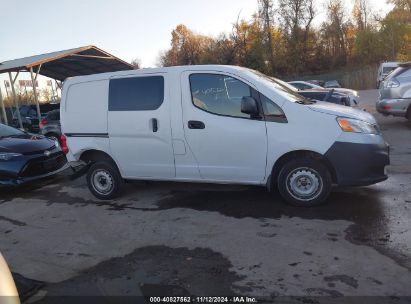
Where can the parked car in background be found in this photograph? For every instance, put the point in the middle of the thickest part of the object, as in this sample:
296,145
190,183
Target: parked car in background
328,96
304,85
8,290
219,124
317,82
384,69
332,84
25,157
395,92
50,125
29,118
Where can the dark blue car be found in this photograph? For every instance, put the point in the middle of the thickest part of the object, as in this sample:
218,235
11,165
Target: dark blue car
25,157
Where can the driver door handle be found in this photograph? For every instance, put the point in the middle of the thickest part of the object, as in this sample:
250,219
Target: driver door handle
195,124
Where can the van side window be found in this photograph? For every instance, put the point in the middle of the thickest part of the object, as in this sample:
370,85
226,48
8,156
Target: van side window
136,93
219,94
272,112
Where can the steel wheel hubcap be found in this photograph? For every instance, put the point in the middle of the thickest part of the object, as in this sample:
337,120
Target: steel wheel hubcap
102,182
304,184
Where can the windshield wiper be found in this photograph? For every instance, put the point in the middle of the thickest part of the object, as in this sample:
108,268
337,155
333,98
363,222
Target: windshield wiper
306,101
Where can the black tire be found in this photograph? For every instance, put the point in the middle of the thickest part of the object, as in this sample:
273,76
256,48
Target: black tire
299,174
104,173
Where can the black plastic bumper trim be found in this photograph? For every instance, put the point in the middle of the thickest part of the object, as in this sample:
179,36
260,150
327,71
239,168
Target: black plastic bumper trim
358,164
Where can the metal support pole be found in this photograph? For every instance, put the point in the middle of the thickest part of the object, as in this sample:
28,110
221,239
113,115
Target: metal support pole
33,82
58,86
52,92
16,102
10,108
3,109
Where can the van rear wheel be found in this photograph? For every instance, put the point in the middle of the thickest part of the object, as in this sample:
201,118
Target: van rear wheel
304,182
104,180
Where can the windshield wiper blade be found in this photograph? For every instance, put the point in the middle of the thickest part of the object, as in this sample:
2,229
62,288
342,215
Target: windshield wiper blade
306,101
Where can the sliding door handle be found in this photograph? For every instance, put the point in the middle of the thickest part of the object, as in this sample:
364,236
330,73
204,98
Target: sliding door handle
195,124
155,124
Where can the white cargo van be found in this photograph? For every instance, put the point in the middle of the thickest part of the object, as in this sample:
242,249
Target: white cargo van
216,124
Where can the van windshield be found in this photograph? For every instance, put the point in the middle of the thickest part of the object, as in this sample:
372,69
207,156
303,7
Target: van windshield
286,90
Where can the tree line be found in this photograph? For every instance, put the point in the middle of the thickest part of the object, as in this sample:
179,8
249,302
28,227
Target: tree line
281,38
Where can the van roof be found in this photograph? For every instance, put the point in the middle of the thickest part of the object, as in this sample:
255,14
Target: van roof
222,68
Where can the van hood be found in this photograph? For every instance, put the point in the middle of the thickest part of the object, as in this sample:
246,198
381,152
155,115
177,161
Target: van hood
339,110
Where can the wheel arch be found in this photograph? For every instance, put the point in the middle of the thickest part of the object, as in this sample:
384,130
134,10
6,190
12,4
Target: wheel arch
281,161
94,155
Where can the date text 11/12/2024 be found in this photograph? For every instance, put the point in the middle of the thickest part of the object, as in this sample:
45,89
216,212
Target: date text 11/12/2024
203,299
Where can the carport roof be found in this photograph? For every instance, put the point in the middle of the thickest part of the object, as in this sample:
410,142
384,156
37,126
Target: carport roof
73,62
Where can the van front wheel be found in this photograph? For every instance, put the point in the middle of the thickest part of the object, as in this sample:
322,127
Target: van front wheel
304,182
104,180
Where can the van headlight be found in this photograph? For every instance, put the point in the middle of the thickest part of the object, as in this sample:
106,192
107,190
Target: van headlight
356,126
8,155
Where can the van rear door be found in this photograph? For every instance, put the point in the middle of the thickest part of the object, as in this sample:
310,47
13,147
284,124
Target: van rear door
139,126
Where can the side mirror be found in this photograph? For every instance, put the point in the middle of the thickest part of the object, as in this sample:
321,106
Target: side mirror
249,106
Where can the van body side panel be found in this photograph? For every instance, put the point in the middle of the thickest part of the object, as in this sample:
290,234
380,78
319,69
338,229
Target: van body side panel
84,116
305,130
140,140
185,163
80,144
85,108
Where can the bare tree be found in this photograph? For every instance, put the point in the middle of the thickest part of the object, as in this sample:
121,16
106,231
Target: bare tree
297,16
401,4
361,13
136,63
266,13
334,31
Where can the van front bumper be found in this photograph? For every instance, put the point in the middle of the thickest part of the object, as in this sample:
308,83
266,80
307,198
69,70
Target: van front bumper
359,164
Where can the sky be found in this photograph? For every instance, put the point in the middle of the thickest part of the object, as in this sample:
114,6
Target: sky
125,28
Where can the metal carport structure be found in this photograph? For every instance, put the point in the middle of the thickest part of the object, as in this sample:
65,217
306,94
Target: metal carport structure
60,65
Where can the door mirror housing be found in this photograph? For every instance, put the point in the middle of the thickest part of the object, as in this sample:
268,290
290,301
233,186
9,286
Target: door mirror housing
249,106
